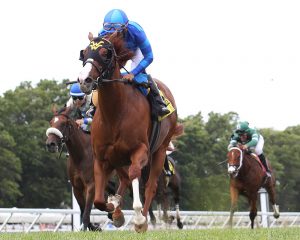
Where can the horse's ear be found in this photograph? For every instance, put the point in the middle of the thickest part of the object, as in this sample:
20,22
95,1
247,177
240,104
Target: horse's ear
54,109
91,37
81,57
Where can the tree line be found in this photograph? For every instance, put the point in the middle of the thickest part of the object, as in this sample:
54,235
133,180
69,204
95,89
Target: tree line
31,177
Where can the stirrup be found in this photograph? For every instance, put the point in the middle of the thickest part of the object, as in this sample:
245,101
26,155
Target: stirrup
268,174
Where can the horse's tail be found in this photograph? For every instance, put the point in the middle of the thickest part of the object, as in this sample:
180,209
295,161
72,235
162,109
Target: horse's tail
178,131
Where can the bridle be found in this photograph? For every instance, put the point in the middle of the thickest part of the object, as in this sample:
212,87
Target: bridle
107,65
235,168
63,135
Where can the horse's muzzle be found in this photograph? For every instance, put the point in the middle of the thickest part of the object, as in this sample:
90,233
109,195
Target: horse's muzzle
52,147
232,169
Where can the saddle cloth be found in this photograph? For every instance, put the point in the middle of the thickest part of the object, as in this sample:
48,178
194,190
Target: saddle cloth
258,160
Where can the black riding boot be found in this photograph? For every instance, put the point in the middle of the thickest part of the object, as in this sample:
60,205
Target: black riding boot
166,167
162,107
264,162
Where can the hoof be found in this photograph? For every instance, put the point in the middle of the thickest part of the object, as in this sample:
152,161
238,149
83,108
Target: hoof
141,228
180,225
94,228
171,219
276,215
153,221
118,218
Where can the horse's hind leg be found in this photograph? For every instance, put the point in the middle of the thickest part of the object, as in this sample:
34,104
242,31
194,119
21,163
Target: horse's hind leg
137,158
253,209
90,194
176,193
152,216
272,195
155,171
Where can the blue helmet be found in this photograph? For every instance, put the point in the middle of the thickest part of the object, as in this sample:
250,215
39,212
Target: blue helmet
75,90
115,20
116,16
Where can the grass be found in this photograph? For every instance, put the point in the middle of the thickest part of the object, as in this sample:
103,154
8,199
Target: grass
207,234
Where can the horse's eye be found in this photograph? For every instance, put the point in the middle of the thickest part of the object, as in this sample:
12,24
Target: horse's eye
103,53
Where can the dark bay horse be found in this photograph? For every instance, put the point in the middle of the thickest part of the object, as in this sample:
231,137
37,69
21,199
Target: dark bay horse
122,125
168,186
80,166
247,176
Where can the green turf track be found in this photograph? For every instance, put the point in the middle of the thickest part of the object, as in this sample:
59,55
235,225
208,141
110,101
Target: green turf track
220,234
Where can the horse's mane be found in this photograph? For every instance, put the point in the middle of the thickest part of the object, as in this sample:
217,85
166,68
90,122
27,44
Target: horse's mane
72,112
123,53
63,109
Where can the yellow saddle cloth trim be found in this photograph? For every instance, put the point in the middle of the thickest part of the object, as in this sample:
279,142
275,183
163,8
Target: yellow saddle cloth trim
169,106
171,167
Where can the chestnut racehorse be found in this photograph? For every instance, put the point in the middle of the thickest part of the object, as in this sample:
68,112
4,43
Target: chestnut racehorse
122,125
80,164
64,130
168,186
247,176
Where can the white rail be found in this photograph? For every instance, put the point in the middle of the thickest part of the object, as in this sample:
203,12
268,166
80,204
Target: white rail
32,220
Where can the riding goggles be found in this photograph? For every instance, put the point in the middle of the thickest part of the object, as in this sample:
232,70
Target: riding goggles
114,26
77,97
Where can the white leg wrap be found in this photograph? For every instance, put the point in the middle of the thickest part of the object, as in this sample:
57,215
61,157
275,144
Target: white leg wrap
137,205
177,211
276,209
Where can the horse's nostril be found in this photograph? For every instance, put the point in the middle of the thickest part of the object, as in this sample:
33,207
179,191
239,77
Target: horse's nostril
88,80
50,144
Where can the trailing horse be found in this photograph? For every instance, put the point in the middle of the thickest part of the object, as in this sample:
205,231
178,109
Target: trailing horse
64,130
168,186
247,176
122,126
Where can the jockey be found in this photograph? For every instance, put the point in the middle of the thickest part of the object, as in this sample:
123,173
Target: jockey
167,169
84,103
250,139
137,41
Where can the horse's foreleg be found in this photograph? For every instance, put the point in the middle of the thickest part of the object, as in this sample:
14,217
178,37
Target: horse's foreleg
179,223
168,219
159,210
124,181
79,195
152,216
90,194
101,179
234,195
137,158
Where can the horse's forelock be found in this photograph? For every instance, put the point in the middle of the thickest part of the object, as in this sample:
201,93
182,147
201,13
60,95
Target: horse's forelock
122,52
